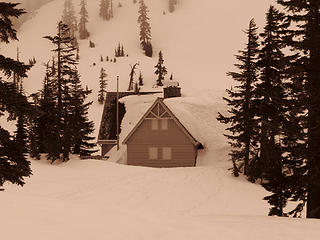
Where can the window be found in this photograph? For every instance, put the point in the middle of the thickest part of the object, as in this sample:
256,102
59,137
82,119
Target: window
166,153
154,124
153,153
164,124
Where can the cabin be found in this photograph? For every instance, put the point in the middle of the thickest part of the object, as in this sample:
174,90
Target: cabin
160,140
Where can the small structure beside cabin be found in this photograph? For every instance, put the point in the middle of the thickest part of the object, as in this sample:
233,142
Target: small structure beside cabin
160,140
171,89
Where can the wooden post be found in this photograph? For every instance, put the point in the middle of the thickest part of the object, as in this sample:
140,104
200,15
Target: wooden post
118,113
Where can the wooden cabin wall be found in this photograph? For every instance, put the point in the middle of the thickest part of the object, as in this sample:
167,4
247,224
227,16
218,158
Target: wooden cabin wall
183,151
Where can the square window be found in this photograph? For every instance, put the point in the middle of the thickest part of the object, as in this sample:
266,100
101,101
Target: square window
166,153
164,124
153,153
154,124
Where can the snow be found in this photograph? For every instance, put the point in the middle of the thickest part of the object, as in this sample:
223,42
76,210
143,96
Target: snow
90,199
101,200
171,83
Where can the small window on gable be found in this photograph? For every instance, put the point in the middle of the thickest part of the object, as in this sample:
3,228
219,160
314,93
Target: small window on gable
153,153
164,124
154,124
166,153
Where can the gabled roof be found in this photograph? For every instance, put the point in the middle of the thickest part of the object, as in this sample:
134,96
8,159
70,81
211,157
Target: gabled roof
159,110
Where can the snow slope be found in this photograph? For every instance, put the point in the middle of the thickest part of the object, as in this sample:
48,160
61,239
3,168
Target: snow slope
198,42
100,200
104,200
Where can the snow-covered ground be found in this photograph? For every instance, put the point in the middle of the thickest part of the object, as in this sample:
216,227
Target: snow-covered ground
87,200
105,200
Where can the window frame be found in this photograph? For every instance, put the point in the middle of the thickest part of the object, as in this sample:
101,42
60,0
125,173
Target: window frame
164,124
153,155
155,124
167,155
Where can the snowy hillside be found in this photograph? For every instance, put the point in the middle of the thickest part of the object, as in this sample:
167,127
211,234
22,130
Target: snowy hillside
197,40
105,200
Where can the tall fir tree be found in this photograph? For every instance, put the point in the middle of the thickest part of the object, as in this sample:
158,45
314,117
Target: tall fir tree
161,70
106,9
145,29
304,17
243,124
80,127
83,32
271,108
70,130
103,85
43,129
69,18
14,166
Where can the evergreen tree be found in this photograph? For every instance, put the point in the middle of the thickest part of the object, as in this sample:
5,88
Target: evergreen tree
56,145
271,107
161,70
106,9
119,51
71,129
80,128
111,9
68,17
84,34
21,137
122,51
145,29
243,125
304,37
103,85
136,88
140,79
91,44
172,4
43,129
14,166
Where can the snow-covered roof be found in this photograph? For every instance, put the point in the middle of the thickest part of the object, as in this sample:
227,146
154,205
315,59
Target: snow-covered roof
137,106
170,83
160,102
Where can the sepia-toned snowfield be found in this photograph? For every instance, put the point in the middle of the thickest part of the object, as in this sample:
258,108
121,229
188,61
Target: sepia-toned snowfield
90,199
